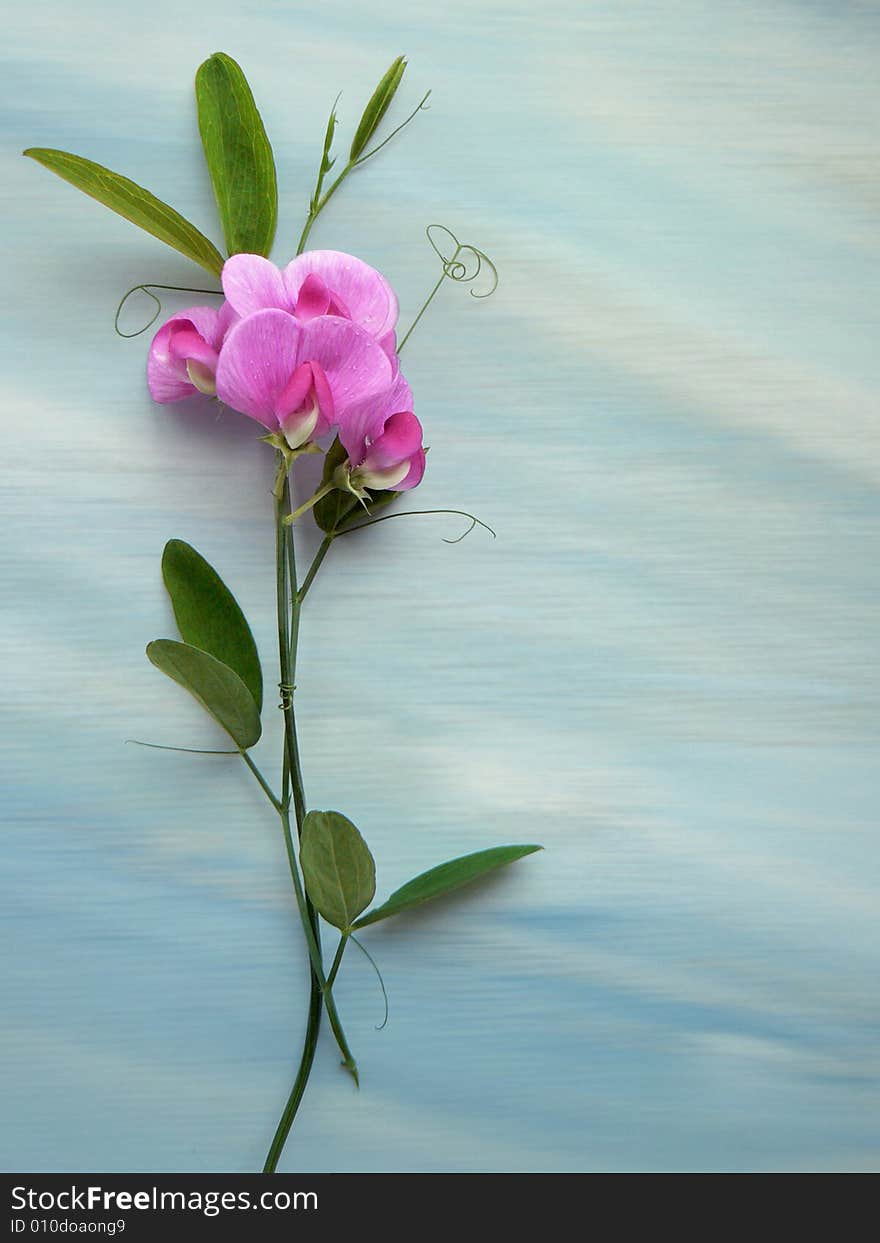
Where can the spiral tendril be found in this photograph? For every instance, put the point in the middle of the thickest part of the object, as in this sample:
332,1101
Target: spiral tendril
463,265
148,290
455,268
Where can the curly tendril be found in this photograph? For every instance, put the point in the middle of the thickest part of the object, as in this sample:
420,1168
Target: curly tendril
147,289
457,269
372,963
463,264
415,513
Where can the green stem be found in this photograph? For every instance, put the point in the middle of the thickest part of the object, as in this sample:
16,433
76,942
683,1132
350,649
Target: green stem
264,785
317,208
315,566
285,588
425,305
337,961
320,201
330,1005
289,605
290,518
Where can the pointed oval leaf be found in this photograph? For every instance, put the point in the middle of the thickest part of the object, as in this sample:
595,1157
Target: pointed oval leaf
217,688
239,156
337,866
444,878
133,202
378,105
208,615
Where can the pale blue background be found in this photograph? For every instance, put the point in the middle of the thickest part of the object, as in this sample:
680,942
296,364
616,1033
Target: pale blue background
664,668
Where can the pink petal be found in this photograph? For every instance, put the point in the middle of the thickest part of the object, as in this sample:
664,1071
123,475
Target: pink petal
295,391
257,361
326,404
207,321
186,343
399,441
416,471
313,298
365,295
389,345
167,377
226,318
354,365
366,419
251,283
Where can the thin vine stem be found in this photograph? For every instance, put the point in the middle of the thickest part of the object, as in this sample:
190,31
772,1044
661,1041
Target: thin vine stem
285,577
415,513
289,605
330,1002
319,201
315,566
455,269
148,290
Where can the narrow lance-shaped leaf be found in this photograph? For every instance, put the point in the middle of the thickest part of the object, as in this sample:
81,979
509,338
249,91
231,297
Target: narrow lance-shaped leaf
443,879
378,105
239,156
338,869
329,134
132,201
208,615
217,688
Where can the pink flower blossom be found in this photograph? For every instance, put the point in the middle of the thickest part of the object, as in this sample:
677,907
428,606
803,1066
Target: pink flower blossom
299,377
383,440
319,282
184,353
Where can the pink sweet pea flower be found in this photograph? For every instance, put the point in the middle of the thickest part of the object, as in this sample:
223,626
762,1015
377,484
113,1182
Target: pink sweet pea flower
184,353
383,440
319,282
299,378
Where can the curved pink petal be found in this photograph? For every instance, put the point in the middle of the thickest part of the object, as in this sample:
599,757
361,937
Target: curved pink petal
355,367
313,298
416,472
251,283
326,404
259,356
295,392
186,343
208,321
400,439
389,345
167,377
226,317
363,294
365,419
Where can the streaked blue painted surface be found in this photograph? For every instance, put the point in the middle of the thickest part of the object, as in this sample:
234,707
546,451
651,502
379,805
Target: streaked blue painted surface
664,668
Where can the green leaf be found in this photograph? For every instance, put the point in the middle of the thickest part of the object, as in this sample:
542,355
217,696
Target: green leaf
444,878
338,868
239,156
377,107
326,162
217,688
208,615
133,202
339,510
